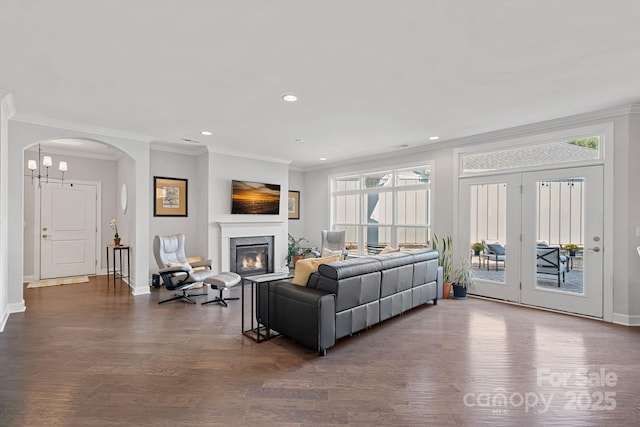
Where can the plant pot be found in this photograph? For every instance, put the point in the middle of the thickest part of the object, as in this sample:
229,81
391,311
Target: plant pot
446,290
116,241
459,292
476,252
295,259
572,253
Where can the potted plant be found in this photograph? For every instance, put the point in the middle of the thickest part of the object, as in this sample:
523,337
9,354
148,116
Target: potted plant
571,248
294,253
444,247
477,248
462,279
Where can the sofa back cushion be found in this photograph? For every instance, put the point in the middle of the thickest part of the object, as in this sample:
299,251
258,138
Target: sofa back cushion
352,291
349,268
397,273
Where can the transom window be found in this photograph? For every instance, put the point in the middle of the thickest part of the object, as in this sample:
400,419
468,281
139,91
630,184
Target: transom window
385,208
539,154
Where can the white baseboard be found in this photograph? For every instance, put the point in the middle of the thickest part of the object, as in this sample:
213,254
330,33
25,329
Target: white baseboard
4,318
135,290
26,279
16,307
626,320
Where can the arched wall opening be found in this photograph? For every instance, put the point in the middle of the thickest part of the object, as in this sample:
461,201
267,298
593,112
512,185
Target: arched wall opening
132,170
78,249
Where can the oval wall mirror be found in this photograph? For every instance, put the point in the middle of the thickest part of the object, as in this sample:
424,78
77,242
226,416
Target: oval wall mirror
123,198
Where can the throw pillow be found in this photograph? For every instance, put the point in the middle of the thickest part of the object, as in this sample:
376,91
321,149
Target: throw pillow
195,259
328,252
496,248
389,250
305,267
181,264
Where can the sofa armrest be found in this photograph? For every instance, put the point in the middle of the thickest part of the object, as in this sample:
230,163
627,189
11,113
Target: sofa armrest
303,314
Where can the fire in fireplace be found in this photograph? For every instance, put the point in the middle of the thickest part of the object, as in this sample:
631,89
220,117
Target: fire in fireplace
251,260
251,255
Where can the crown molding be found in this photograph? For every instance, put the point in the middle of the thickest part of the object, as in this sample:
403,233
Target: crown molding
78,127
188,150
6,102
540,127
250,156
634,109
61,151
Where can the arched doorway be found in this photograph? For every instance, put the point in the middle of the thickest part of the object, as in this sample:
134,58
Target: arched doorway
66,212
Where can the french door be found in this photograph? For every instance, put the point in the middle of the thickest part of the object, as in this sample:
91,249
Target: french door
534,216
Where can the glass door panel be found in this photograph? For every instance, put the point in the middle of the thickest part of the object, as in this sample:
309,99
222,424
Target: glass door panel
490,216
562,240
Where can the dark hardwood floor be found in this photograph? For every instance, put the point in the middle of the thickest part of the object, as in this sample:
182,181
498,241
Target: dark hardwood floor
89,355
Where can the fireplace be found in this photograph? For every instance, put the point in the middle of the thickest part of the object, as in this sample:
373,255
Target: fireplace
251,255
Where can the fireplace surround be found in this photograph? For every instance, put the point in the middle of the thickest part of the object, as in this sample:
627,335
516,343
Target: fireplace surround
224,231
251,255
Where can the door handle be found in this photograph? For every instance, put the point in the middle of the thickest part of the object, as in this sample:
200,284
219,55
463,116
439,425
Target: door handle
594,249
46,235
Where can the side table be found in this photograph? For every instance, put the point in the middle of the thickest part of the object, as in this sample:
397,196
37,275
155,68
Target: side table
259,332
119,249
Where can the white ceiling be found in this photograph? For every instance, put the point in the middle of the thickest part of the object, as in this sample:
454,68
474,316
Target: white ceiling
371,75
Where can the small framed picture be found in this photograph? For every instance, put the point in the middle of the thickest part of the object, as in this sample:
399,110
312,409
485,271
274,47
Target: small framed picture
293,203
170,196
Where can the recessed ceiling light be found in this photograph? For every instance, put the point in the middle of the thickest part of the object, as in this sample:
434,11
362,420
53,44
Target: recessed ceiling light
323,158
206,132
433,138
289,97
298,140
191,140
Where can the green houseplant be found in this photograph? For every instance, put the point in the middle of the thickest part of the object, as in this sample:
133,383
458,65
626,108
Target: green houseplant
477,247
571,248
462,279
294,252
444,246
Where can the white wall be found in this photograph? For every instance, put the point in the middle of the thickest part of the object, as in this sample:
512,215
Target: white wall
223,169
633,210
183,166
296,183
202,214
126,220
627,220
5,100
83,169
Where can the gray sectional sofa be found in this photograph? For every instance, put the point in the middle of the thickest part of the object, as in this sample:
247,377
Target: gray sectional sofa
345,297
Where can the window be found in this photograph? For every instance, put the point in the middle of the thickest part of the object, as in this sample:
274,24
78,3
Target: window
539,154
385,208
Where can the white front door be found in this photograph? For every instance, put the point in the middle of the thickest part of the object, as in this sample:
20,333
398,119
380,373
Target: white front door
67,230
526,213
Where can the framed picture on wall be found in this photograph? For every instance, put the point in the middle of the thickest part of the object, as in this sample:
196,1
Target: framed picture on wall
293,203
170,196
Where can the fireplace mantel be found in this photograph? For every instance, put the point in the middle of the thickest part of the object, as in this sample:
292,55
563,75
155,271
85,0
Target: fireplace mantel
235,227
231,229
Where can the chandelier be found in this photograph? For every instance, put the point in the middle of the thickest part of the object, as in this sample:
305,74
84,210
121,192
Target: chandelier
47,162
